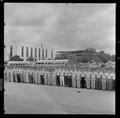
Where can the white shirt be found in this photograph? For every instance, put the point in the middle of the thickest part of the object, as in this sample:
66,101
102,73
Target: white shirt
88,74
109,76
93,75
83,74
98,75
104,75
113,76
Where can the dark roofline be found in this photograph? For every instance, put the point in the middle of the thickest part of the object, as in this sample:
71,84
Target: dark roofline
70,51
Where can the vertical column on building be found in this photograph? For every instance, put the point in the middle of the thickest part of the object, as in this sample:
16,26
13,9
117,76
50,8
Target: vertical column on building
31,52
51,54
35,54
46,53
26,52
39,54
11,52
22,51
42,53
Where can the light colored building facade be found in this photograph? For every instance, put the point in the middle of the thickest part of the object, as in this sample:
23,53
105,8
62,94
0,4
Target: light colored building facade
25,50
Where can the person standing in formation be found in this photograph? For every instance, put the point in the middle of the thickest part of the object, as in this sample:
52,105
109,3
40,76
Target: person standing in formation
73,78
82,81
109,81
24,74
10,74
54,78
48,75
5,74
88,79
69,78
14,75
62,77
20,72
104,80
51,79
35,74
78,78
113,77
98,81
93,77
27,75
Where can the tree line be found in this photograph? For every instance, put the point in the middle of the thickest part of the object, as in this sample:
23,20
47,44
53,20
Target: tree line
88,55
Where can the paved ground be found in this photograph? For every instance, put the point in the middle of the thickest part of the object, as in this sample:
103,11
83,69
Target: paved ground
23,98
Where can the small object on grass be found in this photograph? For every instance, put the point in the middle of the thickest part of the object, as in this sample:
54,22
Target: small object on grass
78,91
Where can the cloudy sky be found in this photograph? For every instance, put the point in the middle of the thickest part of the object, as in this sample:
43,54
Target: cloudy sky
60,26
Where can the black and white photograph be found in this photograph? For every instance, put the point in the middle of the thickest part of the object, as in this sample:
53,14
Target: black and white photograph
59,58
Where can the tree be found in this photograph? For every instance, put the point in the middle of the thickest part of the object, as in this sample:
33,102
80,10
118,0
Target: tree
113,58
61,56
16,58
30,59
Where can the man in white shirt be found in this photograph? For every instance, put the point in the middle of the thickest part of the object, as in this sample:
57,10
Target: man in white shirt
73,78
48,75
104,81
36,71
39,76
98,81
27,75
78,78
65,78
42,77
51,78
69,78
45,77
8,74
83,82
5,74
18,76
21,76
54,78
57,77
87,78
113,77
15,71
109,82
24,72
62,78
93,77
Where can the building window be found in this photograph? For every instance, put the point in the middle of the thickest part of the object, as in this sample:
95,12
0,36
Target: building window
51,54
39,52
42,53
35,52
31,52
46,53
22,51
26,51
11,51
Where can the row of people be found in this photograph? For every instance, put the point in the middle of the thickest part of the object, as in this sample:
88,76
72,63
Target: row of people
60,77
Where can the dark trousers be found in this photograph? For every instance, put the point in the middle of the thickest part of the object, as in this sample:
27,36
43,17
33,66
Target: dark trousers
113,84
109,84
98,83
83,82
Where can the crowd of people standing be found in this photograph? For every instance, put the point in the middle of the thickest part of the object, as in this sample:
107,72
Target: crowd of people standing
100,78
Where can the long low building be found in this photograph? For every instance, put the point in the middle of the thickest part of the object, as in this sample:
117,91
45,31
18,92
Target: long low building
39,63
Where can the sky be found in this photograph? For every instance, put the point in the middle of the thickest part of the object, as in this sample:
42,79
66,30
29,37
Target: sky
60,26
